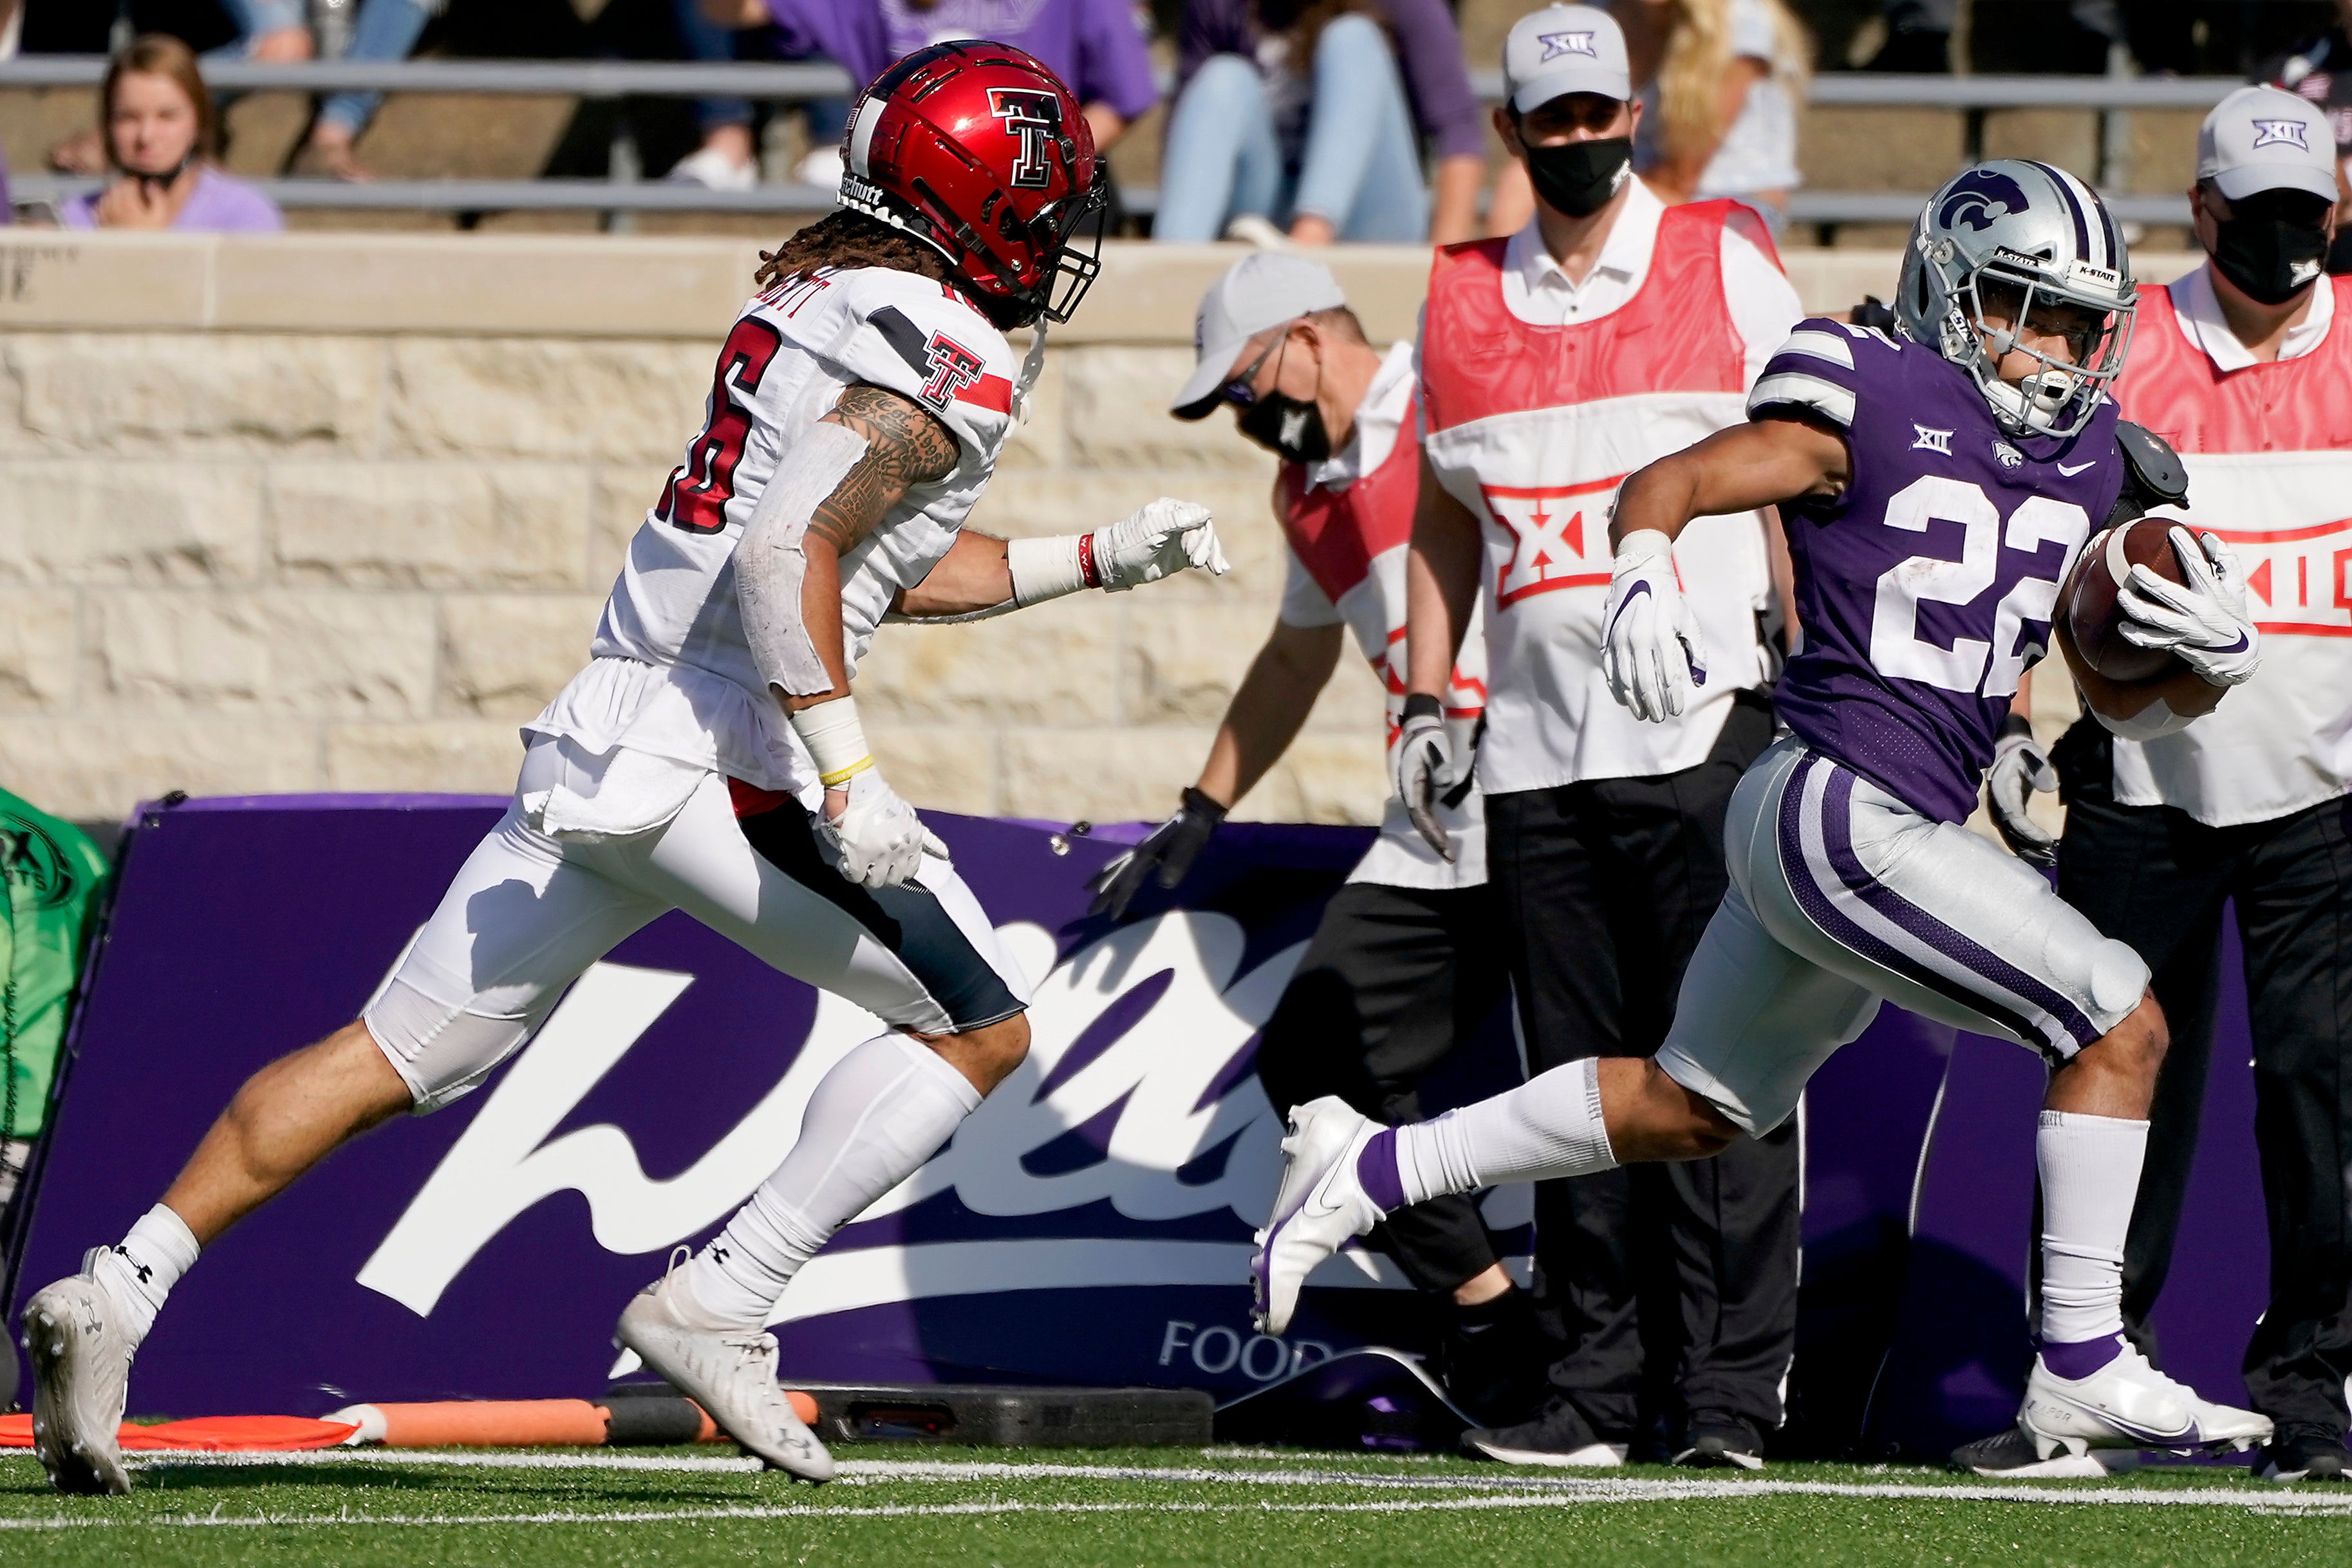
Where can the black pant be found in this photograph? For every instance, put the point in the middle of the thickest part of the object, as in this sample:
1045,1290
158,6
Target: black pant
1395,978
2156,878
1606,887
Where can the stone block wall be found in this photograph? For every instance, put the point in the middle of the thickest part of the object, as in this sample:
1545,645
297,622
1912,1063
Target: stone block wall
259,534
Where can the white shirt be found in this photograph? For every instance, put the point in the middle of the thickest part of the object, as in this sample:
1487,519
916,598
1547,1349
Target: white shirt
1539,292
1759,150
2198,312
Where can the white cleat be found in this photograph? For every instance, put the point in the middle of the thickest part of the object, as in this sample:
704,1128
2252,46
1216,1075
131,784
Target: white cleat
731,1375
2128,1403
81,1371
1318,1209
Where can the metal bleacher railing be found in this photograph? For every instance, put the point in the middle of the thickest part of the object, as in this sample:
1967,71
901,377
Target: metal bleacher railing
626,193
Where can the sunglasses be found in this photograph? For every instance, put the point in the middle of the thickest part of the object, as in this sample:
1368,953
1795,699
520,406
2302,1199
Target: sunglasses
1239,391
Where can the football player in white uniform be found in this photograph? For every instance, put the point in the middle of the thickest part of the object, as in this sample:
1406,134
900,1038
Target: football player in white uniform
710,759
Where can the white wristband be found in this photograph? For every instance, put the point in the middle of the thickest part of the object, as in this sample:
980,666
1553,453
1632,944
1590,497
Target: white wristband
1643,544
834,739
1045,569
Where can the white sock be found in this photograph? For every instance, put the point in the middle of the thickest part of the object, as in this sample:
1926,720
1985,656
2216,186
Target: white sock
2090,1177
139,1272
884,1108
1549,1126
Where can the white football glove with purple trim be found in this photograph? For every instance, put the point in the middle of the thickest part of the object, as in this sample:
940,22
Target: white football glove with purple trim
1651,650
2207,624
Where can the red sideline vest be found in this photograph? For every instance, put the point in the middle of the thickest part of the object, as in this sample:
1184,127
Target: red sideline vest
1353,542
2269,453
1532,428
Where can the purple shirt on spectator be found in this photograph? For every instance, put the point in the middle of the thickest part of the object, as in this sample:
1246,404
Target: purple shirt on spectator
1428,47
1094,46
221,203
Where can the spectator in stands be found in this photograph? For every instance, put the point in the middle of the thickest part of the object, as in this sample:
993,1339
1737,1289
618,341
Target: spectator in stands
386,30
266,30
728,158
1095,46
1720,80
157,121
1297,115
2320,69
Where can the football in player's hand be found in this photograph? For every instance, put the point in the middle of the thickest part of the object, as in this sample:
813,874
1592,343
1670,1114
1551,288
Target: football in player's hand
2089,597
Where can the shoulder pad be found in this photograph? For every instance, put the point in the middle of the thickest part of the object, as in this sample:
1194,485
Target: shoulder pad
2154,470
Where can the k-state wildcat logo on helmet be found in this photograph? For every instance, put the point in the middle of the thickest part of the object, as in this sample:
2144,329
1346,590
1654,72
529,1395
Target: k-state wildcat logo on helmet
1979,198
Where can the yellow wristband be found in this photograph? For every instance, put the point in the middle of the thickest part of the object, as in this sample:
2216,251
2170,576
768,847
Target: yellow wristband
840,776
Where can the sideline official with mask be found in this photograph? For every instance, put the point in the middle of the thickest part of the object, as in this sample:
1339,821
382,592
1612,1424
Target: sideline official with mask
1611,331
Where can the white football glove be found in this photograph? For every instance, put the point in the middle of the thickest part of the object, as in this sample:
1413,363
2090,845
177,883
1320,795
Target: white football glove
1651,652
2206,624
877,840
1158,541
1422,766
2021,770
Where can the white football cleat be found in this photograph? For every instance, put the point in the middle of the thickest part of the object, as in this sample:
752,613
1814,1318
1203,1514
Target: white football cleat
2128,1403
731,1375
81,1371
1318,1209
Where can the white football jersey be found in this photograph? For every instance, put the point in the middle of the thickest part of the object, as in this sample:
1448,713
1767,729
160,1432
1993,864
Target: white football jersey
674,673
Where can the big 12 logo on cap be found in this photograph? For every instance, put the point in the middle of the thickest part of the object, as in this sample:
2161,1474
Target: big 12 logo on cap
1033,116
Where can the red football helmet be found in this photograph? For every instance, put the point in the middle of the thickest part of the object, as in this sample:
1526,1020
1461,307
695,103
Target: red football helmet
981,152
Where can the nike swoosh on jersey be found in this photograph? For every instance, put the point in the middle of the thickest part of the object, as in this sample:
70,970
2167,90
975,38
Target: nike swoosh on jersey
2078,467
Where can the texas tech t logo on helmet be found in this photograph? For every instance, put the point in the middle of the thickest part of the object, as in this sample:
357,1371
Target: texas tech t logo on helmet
1035,118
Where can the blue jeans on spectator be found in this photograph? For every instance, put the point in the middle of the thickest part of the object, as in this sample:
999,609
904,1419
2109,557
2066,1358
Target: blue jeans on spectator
255,17
1359,169
706,41
386,30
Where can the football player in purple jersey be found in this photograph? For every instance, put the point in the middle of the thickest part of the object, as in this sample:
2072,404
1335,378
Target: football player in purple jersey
1936,485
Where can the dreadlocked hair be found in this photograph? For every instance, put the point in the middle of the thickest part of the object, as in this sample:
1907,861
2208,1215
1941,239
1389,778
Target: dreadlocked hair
844,237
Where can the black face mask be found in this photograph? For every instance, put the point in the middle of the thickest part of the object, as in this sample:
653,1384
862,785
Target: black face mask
1580,177
1287,427
2274,245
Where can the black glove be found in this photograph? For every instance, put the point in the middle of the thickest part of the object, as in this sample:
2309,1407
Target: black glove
2018,770
1872,312
1171,849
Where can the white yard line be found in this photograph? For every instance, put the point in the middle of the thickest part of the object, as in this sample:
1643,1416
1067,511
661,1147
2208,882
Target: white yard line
1605,1492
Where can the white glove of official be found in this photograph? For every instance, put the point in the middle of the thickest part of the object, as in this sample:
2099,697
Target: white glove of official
877,840
2021,770
1651,654
2206,624
1158,541
1424,767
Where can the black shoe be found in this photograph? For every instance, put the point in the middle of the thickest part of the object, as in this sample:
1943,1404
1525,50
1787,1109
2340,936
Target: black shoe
2010,1452
1560,1437
2301,1453
1492,1360
1716,1439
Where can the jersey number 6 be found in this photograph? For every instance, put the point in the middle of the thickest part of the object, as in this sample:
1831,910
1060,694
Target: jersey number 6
1896,645
695,500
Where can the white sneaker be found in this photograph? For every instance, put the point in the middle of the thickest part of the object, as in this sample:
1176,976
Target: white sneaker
1250,228
732,1375
821,166
1317,1207
2128,1403
713,170
81,1371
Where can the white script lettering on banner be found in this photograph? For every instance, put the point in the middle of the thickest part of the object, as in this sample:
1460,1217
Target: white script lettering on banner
1150,1081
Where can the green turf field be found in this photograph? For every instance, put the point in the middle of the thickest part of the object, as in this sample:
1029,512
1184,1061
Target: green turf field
910,1507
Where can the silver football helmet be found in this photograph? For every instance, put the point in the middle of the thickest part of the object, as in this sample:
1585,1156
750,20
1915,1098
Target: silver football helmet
2040,236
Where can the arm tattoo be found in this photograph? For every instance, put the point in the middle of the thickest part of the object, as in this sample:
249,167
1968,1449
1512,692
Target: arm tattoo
905,447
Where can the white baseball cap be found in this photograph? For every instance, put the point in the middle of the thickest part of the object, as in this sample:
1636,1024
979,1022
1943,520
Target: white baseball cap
1562,50
2264,139
1257,292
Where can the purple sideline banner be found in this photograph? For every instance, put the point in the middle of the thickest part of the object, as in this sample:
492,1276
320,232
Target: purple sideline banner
1089,1225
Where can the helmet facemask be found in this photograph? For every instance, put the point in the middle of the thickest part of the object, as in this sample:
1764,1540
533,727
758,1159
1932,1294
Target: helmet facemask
2059,397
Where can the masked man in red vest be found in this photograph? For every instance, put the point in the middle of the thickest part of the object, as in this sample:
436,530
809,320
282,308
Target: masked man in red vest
1407,962
2244,367
1611,331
